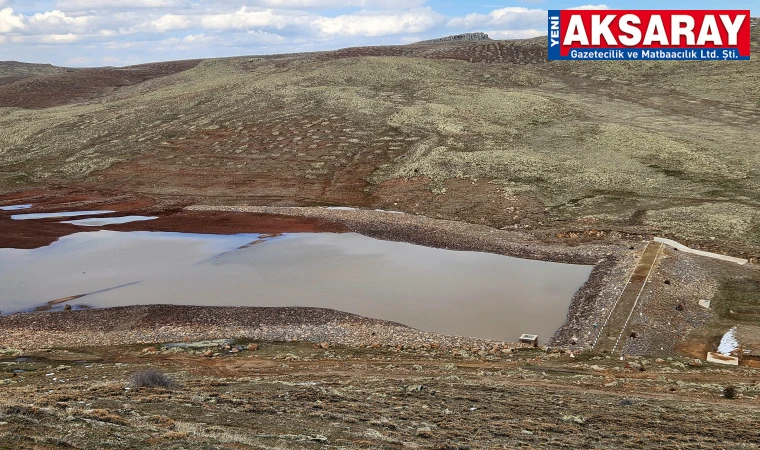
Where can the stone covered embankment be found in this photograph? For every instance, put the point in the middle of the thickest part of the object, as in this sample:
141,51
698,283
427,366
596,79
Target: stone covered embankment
169,323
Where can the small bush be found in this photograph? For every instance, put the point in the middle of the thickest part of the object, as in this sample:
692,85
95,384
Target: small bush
151,378
729,392
103,415
26,411
163,421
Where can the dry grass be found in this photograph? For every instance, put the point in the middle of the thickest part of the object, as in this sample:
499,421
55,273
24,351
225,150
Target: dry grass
360,398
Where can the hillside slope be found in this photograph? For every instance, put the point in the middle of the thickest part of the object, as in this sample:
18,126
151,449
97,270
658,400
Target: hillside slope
482,131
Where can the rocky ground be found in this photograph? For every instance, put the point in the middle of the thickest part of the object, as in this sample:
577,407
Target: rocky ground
163,323
244,395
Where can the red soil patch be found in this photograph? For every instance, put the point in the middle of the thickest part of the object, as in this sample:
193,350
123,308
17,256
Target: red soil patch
293,162
81,85
171,217
39,233
220,222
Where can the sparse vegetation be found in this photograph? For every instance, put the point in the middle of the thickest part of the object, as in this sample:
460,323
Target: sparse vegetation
423,129
151,378
349,397
729,392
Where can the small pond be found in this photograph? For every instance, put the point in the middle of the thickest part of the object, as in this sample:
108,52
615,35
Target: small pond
15,207
55,215
453,292
103,221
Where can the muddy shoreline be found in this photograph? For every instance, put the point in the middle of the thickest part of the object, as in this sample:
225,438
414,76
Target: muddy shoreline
43,232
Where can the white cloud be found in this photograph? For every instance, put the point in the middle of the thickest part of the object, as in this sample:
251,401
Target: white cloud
169,22
363,23
59,38
153,30
379,24
511,17
78,61
117,61
10,22
318,4
93,5
247,18
59,21
45,39
515,34
590,7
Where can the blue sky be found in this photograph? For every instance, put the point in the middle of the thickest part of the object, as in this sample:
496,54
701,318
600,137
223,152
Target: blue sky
107,32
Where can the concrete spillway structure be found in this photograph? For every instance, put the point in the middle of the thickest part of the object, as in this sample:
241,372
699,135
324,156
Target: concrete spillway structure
686,249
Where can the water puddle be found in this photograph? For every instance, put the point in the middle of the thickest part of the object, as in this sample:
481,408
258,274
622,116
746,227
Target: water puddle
15,207
31,216
453,292
102,221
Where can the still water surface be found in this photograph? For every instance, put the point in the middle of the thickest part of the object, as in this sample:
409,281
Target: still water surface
453,292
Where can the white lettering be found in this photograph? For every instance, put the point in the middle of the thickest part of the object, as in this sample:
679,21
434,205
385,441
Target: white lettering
601,28
576,32
655,31
709,32
681,25
633,33
732,27
682,31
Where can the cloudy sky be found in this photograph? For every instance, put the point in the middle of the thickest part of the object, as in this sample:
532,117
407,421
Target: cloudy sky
123,32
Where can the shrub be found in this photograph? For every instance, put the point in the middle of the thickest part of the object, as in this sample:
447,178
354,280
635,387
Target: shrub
151,378
103,415
729,392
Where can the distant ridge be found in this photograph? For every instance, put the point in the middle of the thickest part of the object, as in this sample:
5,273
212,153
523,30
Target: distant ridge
459,37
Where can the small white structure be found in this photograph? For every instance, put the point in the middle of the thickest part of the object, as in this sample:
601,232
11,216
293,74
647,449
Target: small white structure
717,358
704,303
683,248
531,339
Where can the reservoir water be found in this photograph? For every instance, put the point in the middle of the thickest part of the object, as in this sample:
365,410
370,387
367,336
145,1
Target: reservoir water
453,292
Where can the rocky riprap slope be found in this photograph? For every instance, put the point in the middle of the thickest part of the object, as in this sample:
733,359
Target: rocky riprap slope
171,323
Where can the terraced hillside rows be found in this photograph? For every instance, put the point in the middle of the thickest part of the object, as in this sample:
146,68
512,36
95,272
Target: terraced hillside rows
482,131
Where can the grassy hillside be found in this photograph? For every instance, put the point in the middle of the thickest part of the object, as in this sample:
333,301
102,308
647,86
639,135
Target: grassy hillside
486,131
